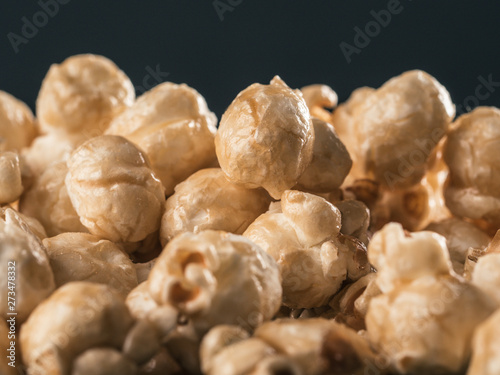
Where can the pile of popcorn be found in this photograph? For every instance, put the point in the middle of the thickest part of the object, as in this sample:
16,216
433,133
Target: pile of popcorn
293,237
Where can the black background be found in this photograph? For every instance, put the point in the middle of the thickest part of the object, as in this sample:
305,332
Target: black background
456,41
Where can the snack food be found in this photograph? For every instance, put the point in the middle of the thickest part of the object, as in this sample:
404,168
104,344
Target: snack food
264,267
48,201
265,137
83,94
202,274
426,315
17,125
84,257
303,236
308,347
470,153
30,271
396,127
11,186
90,315
174,127
330,162
485,360
208,200
105,174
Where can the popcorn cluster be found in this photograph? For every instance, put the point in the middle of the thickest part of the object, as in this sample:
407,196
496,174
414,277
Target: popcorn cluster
294,237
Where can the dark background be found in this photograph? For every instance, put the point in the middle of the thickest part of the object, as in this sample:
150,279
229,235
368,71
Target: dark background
456,41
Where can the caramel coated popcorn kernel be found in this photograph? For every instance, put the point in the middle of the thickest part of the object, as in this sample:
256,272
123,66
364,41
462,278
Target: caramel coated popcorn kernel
265,137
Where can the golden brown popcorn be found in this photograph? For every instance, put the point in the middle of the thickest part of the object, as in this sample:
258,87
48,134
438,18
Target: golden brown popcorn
305,347
471,153
82,95
103,361
239,358
163,318
330,163
265,137
139,301
11,186
318,343
84,257
400,256
425,317
174,127
427,326
27,268
7,336
215,277
48,201
414,207
343,120
460,236
208,200
17,124
49,149
485,348
34,225
212,301
303,236
216,340
113,189
395,129
76,317
483,268
318,97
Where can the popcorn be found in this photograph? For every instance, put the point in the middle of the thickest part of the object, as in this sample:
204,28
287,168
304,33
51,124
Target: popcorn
426,315
83,94
470,153
89,315
290,242
208,200
265,138
18,127
33,278
105,175
303,236
11,186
